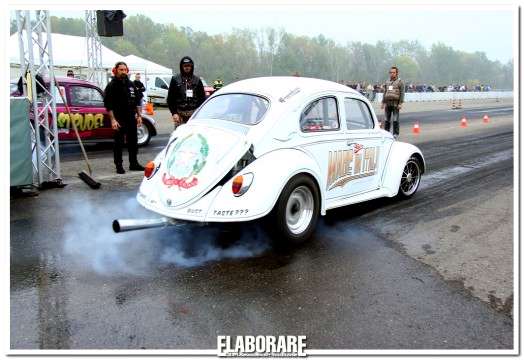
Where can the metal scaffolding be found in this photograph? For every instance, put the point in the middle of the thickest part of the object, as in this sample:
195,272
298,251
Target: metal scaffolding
34,34
95,73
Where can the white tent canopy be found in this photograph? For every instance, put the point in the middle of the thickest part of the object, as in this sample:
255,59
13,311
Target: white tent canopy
71,51
136,64
68,50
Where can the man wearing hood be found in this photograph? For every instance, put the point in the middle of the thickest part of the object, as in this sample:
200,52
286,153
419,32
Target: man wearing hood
186,92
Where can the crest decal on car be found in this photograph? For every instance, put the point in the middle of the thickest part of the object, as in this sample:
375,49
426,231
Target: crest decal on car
187,159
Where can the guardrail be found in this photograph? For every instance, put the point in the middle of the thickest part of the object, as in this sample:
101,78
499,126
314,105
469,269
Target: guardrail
448,96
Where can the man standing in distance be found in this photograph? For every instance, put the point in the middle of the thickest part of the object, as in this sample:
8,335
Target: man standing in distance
186,92
392,100
139,86
122,100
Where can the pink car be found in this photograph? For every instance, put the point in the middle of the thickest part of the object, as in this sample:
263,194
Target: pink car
86,103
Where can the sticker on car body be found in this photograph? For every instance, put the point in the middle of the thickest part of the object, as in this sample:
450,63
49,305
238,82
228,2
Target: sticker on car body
348,165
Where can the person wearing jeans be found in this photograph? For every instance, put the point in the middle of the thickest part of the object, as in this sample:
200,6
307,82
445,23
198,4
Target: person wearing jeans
392,101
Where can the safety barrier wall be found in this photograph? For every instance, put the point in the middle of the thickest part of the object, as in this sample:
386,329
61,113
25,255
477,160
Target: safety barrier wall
448,96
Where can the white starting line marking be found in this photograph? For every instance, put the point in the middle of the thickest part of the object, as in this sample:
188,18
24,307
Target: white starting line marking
435,177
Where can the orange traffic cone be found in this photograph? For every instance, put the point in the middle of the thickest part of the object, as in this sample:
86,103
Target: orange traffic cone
485,119
149,109
416,128
464,122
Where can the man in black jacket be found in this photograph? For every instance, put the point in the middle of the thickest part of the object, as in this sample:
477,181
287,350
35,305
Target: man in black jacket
139,86
186,92
122,100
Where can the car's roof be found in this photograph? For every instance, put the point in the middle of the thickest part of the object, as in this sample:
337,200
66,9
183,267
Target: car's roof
280,86
64,80
68,80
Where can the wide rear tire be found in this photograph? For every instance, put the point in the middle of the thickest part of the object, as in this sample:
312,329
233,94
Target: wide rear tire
295,214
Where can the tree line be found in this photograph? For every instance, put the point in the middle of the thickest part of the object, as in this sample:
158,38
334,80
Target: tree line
245,53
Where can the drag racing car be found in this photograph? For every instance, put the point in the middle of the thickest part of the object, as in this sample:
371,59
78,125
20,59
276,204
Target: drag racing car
286,149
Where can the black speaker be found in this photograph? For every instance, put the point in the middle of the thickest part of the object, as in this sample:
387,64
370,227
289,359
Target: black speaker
110,22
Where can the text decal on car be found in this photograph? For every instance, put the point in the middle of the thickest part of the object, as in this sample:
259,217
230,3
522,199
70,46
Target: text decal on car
347,165
186,160
82,121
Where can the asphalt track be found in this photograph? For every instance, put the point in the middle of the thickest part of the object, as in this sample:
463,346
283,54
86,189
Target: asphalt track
75,284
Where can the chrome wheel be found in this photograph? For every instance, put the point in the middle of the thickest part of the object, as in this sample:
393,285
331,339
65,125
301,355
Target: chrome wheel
142,134
299,210
410,178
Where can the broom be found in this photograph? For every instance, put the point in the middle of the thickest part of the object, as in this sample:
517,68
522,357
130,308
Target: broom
93,184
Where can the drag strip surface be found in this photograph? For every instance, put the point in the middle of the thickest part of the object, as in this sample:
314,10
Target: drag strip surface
387,274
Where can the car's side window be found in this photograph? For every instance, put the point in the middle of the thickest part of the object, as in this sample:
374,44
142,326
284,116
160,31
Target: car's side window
358,116
86,96
320,115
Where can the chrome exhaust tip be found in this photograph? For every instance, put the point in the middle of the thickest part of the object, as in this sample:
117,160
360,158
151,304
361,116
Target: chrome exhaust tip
122,225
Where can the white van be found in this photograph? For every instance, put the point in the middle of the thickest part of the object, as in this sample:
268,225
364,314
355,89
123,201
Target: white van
157,87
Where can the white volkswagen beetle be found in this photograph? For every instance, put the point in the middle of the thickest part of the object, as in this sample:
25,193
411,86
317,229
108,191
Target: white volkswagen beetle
290,148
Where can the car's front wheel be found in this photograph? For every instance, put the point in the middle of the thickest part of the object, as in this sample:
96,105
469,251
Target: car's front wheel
296,212
410,180
143,134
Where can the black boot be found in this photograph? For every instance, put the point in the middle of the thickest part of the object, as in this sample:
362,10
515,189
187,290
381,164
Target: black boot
136,167
120,169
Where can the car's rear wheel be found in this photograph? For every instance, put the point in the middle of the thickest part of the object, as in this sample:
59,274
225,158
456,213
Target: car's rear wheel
143,134
295,214
410,180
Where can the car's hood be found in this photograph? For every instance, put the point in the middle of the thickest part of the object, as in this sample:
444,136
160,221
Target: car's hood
196,159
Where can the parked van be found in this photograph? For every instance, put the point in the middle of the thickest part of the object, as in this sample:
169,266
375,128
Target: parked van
158,85
156,88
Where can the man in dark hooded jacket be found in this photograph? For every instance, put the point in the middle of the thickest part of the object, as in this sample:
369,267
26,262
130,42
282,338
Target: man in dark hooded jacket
186,92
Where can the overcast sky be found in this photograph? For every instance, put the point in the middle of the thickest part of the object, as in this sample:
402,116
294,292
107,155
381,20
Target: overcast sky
464,28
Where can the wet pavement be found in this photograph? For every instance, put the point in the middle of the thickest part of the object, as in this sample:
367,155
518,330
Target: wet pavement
345,289
77,285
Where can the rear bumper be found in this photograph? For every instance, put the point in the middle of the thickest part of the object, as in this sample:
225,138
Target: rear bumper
204,210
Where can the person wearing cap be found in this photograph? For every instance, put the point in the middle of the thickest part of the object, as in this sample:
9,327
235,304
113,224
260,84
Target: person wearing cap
186,92
218,84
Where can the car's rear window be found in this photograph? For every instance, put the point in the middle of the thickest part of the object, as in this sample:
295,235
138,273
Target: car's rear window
240,108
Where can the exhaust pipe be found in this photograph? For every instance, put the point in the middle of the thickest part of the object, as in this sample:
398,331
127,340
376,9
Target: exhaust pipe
121,225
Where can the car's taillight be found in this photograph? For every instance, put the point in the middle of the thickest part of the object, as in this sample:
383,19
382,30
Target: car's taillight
241,184
148,169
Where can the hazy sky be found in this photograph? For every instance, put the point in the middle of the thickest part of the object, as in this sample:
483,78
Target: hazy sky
465,28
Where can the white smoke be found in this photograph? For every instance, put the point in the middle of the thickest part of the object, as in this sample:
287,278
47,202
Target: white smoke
90,242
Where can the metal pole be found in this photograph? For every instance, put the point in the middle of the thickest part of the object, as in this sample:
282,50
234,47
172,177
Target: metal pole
20,21
45,146
34,101
53,98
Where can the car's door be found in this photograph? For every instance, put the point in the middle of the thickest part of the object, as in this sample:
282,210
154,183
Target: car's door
368,147
63,123
90,116
323,137
157,92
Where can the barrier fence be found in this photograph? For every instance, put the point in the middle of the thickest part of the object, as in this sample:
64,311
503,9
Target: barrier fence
449,96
